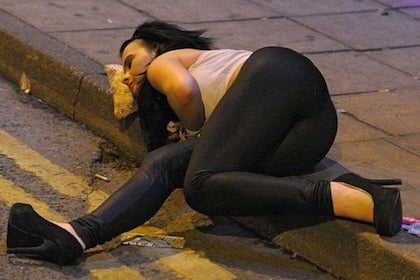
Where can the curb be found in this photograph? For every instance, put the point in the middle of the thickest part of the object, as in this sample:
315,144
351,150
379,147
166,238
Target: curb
76,85
67,80
346,249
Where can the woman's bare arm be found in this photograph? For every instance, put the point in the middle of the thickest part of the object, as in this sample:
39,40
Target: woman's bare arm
169,76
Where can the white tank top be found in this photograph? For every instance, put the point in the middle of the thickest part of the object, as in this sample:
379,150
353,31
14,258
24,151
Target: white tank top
212,71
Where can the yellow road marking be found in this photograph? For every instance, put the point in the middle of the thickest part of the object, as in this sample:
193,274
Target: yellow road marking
187,263
11,194
115,273
57,177
192,266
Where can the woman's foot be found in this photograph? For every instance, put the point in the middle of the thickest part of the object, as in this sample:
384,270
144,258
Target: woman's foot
345,197
30,235
367,200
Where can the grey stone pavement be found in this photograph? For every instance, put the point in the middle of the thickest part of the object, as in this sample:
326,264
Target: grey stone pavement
368,51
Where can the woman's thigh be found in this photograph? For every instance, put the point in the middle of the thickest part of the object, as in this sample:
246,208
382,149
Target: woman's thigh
306,144
275,92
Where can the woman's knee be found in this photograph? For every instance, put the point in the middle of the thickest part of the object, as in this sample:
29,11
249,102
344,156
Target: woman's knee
195,190
200,203
153,161
170,161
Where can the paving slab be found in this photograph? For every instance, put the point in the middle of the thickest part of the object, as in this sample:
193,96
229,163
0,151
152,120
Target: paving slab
268,32
201,10
350,129
401,59
369,30
399,3
15,29
353,72
62,15
410,143
308,7
412,12
395,112
100,45
379,159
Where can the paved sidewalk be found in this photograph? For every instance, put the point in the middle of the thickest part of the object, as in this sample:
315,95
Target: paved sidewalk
369,52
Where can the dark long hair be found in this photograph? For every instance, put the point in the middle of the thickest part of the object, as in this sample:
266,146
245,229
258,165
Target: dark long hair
154,110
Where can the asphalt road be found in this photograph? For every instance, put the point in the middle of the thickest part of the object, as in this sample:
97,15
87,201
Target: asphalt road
50,161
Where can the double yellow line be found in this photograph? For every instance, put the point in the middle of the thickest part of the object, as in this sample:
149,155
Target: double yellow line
187,264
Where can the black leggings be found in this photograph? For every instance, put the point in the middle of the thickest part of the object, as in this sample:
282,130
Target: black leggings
275,121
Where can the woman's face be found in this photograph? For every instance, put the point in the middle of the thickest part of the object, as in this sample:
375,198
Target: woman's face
136,58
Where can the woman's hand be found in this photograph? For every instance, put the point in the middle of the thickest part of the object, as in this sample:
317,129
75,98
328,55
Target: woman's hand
176,132
170,77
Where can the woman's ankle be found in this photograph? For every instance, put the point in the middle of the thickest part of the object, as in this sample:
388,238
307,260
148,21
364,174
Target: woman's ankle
70,229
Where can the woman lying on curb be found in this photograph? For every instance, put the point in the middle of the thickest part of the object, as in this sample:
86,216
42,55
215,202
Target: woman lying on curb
253,120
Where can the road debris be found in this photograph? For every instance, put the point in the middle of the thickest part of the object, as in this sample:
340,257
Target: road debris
156,241
101,177
412,225
25,83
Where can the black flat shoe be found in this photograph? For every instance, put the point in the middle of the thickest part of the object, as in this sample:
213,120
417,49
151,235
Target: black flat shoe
30,235
387,215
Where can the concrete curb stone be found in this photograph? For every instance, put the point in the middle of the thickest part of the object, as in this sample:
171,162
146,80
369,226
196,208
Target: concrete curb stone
66,80
346,249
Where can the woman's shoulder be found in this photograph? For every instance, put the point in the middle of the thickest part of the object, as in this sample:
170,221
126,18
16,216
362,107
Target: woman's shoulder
186,56
190,56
